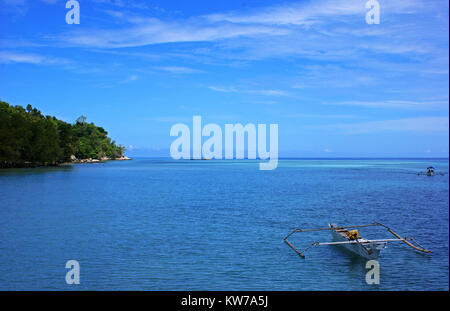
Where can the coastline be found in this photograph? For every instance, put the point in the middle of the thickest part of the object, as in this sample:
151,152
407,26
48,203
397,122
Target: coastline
95,160
74,160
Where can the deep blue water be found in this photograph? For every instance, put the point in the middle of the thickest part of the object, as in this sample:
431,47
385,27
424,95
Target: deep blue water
152,224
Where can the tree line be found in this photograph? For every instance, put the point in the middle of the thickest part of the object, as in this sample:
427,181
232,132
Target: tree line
28,138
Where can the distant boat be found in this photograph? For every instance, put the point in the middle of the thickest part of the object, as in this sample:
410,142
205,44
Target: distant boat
350,239
431,171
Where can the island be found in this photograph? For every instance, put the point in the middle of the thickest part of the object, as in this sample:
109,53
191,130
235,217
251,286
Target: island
30,139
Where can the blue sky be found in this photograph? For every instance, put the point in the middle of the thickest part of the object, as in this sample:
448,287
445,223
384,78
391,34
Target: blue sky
336,86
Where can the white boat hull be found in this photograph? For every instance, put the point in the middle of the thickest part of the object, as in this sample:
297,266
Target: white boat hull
368,251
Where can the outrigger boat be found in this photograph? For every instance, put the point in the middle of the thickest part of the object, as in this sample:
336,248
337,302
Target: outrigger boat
350,239
431,171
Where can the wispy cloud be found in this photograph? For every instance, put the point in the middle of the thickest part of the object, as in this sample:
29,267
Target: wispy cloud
401,104
15,7
7,57
262,102
154,31
268,92
24,3
276,20
332,76
124,3
306,29
311,12
262,92
321,116
170,119
10,57
130,79
14,2
179,70
305,13
223,89
423,124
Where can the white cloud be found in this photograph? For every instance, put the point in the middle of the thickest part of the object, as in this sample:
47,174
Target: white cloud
304,13
321,116
422,124
223,89
155,31
270,21
179,70
268,92
262,102
331,33
22,3
14,2
171,119
124,3
311,12
262,92
7,57
404,104
130,79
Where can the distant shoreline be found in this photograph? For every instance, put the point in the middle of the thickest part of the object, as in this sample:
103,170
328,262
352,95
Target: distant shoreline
94,160
6,165
125,158
302,158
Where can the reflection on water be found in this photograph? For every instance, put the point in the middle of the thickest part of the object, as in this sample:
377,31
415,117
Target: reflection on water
37,170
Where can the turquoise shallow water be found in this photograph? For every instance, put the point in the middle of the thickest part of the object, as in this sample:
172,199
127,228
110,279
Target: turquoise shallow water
155,224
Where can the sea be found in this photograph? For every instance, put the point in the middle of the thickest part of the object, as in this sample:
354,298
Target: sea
162,224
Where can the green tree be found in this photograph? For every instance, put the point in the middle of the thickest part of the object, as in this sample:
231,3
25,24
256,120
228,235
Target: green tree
28,136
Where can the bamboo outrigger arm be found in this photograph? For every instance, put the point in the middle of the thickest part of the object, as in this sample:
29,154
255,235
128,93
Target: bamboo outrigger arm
417,247
296,250
321,229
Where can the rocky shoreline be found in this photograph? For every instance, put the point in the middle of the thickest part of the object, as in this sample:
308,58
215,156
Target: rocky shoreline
73,159
94,160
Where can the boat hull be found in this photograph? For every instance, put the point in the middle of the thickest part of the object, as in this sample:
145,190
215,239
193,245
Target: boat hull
367,252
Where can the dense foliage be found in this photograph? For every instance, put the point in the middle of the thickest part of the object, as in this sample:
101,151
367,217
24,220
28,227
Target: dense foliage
28,137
